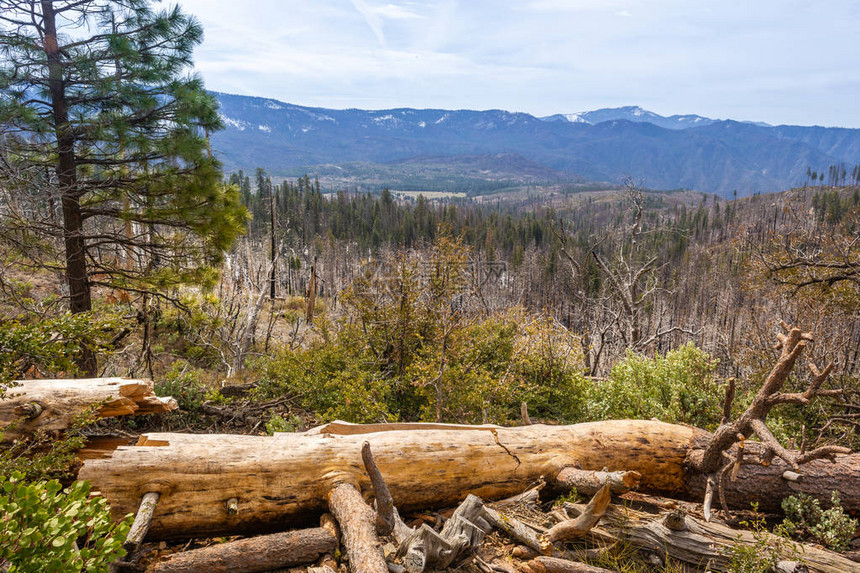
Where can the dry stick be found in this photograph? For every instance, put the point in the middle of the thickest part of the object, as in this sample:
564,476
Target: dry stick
142,521
384,502
577,528
138,530
727,403
544,564
357,524
513,528
524,414
531,495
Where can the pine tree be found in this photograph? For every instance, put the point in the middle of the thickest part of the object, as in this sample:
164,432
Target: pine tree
100,116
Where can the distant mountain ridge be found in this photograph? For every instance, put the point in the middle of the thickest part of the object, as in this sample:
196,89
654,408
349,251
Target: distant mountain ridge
635,114
682,151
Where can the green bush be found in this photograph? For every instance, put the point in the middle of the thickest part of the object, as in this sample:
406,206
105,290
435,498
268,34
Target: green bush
277,423
804,519
46,529
549,361
51,345
763,555
335,379
481,371
678,388
183,384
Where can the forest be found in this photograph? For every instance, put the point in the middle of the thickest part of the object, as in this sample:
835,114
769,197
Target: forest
167,328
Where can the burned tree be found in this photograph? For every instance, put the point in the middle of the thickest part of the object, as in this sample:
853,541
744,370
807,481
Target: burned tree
725,452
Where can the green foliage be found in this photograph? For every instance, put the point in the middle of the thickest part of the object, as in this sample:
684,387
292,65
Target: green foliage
332,379
763,555
804,519
140,155
277,423
491,365
548,360
182,383
47,529
51,344
43,455
678,387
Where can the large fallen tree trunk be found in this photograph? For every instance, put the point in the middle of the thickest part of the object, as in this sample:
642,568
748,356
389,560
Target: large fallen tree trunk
52,405
288,478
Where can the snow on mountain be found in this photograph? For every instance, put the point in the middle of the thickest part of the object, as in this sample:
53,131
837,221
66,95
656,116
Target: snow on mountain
632,113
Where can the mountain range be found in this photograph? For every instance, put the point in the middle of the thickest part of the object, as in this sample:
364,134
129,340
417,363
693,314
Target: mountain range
679,151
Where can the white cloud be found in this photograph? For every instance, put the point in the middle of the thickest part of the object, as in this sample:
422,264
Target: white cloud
395,12
540,56
372,17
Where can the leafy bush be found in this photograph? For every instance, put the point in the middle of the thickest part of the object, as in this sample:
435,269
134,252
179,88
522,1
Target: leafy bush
804,519
183,383
549,361
48,529
277,423
763,555
678,387
51,345
335,379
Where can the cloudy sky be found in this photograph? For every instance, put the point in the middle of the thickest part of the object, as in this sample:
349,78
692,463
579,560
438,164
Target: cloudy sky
779,61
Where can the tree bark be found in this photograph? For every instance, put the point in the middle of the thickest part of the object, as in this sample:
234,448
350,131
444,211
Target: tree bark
544,564
701,544
590,482
357,523
66,169
287,477
252,555
53,404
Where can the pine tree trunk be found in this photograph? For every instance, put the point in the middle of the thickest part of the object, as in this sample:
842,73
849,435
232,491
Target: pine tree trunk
76,261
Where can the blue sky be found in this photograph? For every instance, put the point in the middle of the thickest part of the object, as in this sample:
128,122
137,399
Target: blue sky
779,61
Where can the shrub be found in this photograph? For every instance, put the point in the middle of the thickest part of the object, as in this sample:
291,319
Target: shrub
678,388
183,384
334,379
549,361
48,529
804,519
51,345
277,423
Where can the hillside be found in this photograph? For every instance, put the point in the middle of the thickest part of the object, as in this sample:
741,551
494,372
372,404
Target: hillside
714,156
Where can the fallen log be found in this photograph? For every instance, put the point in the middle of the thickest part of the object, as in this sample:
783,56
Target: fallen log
52,405
767,486
709,545
357,523
286,478
252,555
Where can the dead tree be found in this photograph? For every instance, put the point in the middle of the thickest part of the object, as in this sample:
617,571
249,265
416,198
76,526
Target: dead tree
632,286
717,462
